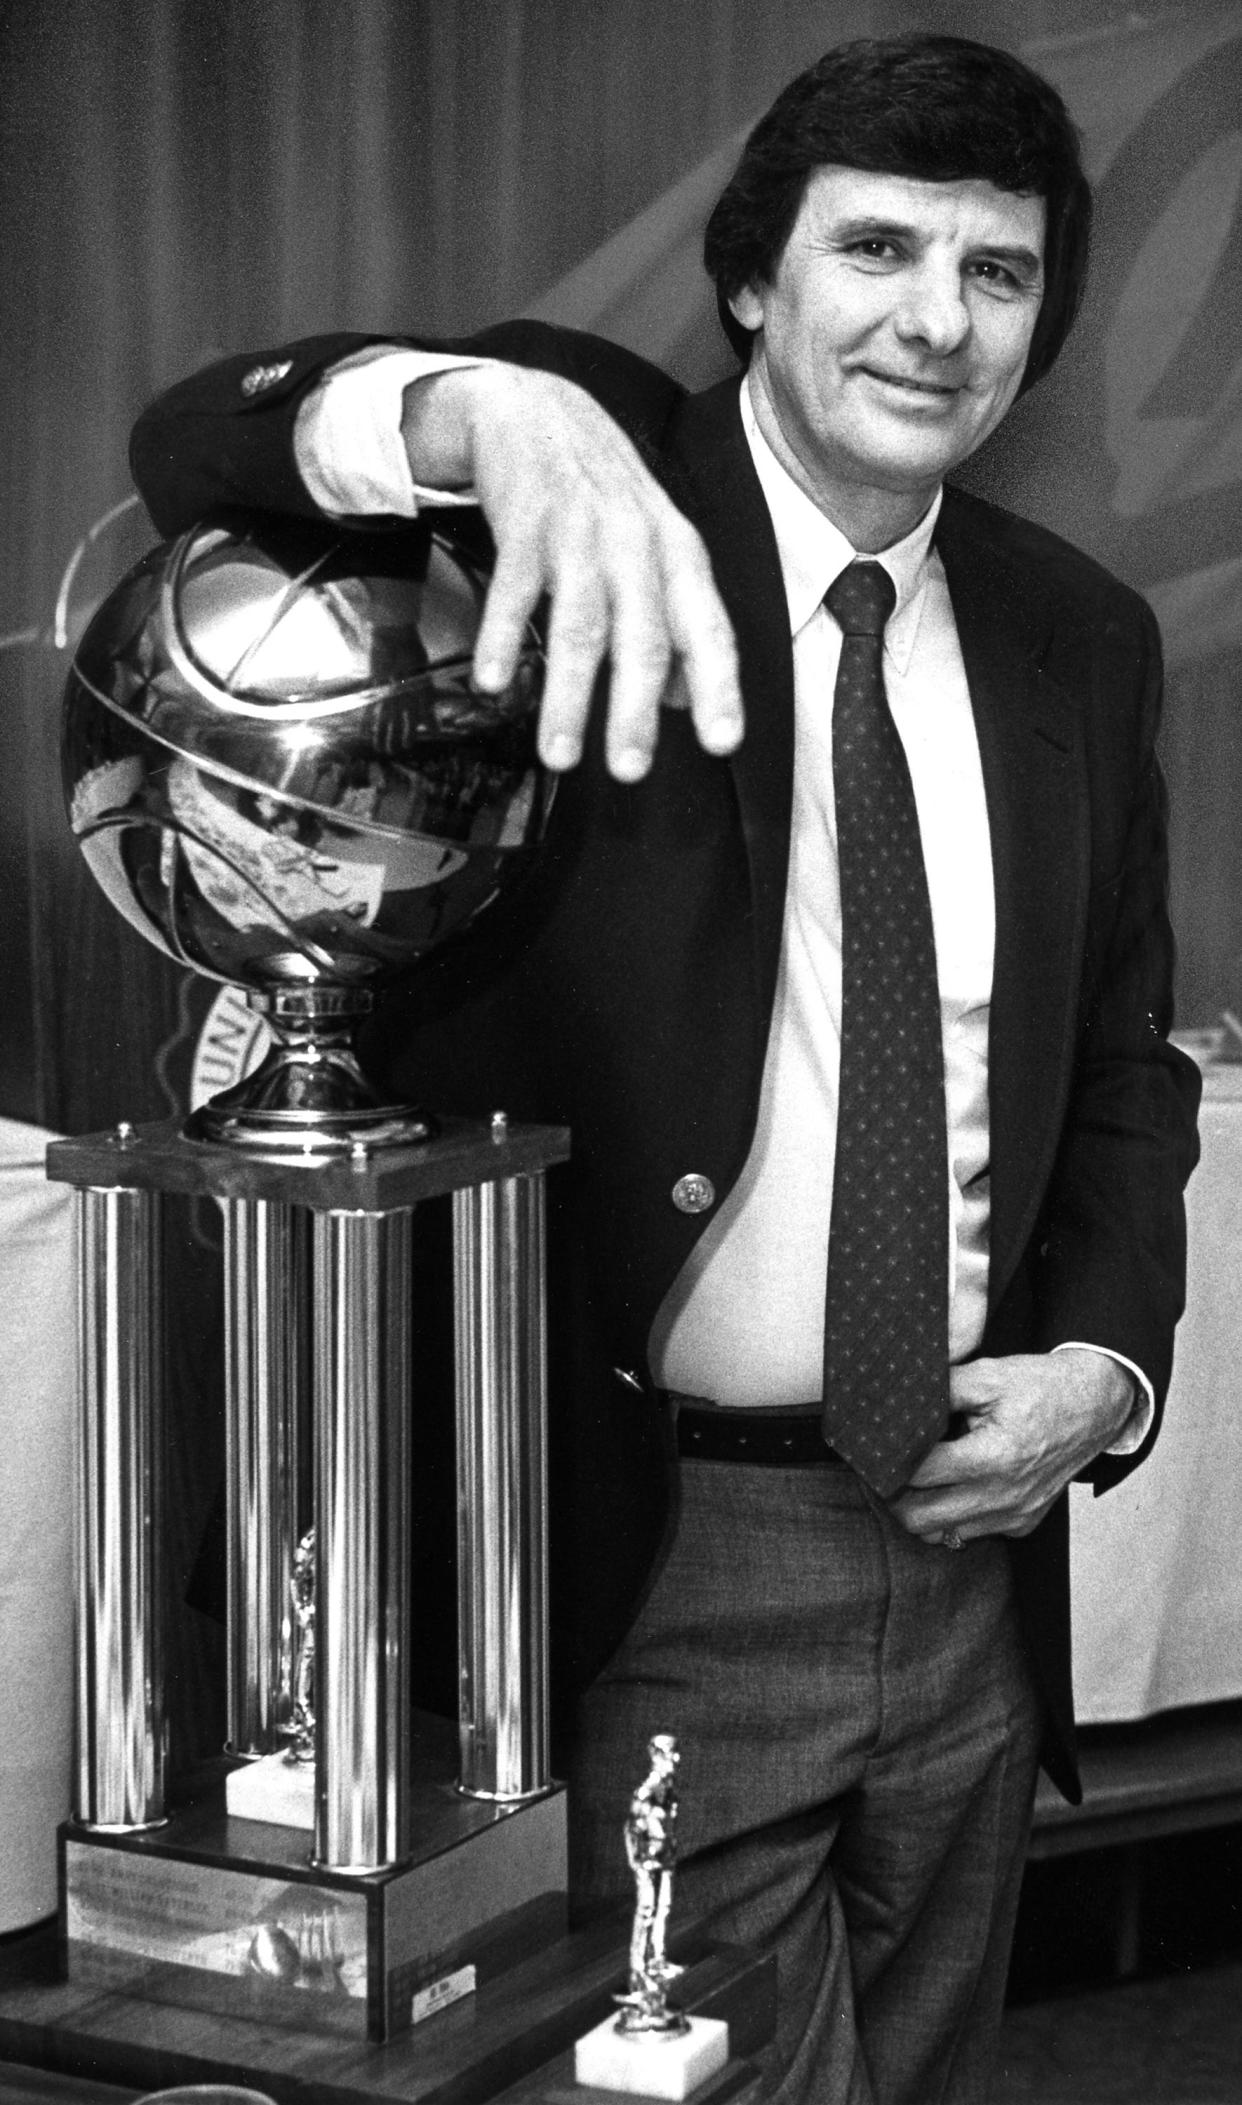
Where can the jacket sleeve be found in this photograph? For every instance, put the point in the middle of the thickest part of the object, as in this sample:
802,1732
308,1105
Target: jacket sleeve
1112,1247
224,437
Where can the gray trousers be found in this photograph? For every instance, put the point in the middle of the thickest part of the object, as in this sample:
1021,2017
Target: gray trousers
858,1731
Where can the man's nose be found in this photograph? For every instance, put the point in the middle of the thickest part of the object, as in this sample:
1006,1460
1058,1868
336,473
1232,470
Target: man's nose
933,309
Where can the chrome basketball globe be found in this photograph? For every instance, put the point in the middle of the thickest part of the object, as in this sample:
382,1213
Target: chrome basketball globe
278,770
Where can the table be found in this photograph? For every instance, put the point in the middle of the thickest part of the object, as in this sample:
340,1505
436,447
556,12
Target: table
1157,1573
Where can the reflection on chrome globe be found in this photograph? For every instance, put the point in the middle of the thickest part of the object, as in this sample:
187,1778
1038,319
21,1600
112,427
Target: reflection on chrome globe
279,772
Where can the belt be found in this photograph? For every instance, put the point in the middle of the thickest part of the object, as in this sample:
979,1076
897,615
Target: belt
781,1439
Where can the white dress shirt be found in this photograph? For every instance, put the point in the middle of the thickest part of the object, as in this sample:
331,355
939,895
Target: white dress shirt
743,1323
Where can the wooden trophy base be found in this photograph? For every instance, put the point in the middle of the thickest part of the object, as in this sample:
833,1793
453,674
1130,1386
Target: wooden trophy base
513,2039
233,1916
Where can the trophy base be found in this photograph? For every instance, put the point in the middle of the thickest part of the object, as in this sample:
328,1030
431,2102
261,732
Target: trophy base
230,1915
513,2040
652,2064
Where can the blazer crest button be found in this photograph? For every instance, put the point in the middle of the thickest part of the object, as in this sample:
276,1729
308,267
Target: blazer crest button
694,1193
263,376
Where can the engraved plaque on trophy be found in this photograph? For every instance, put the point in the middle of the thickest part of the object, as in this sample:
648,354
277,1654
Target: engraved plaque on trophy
279,771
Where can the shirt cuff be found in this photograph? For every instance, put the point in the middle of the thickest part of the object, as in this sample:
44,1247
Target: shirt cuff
347,437
1142,1410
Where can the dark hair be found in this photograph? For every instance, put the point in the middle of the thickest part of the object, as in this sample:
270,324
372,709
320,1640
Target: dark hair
940,108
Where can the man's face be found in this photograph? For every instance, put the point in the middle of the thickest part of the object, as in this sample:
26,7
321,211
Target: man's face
893,335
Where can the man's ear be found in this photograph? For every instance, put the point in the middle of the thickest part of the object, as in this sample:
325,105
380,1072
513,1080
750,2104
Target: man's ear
746,306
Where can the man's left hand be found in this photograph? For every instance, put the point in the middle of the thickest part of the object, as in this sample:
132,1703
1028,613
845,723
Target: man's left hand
1032,1422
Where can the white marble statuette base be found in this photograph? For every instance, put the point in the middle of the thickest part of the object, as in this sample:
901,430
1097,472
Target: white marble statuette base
652,2064
274,1789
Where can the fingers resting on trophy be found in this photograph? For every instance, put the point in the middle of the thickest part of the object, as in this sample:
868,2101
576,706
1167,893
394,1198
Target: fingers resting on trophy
577,517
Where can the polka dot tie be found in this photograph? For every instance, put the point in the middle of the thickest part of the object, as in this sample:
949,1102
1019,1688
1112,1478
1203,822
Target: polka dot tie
886,1319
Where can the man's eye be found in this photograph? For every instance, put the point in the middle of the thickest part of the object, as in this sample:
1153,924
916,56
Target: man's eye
997,276
874,249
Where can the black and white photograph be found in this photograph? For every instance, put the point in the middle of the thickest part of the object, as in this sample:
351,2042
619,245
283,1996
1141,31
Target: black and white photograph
621,1052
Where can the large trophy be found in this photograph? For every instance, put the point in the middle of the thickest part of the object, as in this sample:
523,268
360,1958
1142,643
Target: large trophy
279,771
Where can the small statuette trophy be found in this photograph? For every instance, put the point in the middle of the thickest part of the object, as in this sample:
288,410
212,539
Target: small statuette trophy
301,1727
652,2049
651,1848
301,1944
280,1788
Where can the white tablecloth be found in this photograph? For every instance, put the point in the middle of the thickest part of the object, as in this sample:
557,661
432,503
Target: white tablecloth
37,1355
1158,1562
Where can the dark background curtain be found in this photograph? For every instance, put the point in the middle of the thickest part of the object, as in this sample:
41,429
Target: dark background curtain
180,178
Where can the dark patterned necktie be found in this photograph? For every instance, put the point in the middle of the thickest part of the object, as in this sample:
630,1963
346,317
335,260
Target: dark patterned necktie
886,1320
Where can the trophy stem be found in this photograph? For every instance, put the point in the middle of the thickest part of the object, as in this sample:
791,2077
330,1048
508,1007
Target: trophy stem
266,1303
502,1488
362,1528
120,1734
309,1093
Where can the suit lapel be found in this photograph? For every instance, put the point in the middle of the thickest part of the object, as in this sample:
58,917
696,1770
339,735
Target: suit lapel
716,484
1030,744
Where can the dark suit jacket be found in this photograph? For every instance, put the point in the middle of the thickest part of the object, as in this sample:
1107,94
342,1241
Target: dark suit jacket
628,990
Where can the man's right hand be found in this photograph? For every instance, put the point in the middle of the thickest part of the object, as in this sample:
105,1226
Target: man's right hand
575,514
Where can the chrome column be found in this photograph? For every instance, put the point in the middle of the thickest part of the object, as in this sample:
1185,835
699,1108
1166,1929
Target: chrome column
120,1683
266,1314
362,1525
498,1251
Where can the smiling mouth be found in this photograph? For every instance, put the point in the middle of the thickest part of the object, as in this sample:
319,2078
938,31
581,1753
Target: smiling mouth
926,390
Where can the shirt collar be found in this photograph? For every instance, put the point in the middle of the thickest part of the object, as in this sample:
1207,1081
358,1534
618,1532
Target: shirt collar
813,551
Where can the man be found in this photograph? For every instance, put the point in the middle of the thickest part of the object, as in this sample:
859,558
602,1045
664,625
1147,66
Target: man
820,1536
